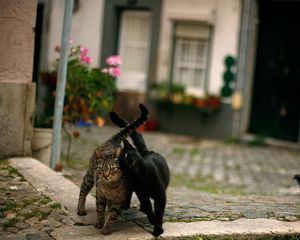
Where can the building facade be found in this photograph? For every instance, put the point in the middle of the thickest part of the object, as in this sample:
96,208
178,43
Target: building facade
186,43
17,92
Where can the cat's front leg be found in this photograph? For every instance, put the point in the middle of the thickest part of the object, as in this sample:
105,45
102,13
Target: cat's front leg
100,208
81,204
146,206
112,216
86,186
159,209
128,200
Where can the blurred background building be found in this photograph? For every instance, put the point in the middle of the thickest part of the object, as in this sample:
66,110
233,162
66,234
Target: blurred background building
230,66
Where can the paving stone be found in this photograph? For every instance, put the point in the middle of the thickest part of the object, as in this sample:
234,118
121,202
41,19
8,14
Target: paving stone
32,220
10,215
12,229
51,222
67,221
56,215
22,225
37,226
2,221
38,236
290,218
254,214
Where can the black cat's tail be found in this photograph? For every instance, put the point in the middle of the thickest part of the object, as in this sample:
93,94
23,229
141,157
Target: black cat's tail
137,138
115,119
130,128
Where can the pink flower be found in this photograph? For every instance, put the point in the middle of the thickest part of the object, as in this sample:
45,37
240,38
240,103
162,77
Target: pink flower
83,56
83,51
114,60
114,71
71,41
88,60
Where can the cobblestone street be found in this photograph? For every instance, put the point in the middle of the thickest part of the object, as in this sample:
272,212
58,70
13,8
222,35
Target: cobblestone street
211,179
24,212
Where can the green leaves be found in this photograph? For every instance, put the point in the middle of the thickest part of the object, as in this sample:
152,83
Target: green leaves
89,92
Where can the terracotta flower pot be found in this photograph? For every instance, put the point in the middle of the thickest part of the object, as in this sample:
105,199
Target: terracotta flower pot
214,102
200,102
151,125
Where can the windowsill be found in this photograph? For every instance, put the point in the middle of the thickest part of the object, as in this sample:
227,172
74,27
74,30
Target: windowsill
188,107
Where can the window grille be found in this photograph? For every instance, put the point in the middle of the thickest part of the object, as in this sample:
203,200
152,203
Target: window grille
191,55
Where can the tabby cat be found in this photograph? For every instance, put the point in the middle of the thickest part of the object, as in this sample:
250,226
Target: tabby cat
111,185
149,175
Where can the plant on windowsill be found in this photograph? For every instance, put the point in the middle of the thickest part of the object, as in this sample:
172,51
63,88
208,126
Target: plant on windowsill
175,94
167,92
89,93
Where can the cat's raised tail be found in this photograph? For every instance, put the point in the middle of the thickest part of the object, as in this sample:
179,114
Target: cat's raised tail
129,129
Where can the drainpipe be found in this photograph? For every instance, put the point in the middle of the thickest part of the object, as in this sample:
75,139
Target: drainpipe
61,83
242,64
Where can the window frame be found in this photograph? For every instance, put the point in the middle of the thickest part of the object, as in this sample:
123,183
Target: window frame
208,53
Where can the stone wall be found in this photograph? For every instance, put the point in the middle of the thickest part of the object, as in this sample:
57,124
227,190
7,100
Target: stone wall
17,92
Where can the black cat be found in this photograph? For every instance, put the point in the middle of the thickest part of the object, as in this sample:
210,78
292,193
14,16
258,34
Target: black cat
149,175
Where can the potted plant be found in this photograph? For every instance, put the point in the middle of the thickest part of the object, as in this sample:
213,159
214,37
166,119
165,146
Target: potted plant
42,138
89,93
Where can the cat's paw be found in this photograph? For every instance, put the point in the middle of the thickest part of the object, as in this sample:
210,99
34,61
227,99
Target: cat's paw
157,231
81,212
99,225
106,230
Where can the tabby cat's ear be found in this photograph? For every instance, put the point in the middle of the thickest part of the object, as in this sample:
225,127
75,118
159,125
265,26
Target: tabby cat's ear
127,145
118,152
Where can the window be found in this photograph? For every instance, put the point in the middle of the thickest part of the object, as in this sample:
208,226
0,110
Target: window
191,55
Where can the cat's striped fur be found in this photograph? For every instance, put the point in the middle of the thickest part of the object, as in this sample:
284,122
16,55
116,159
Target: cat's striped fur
112,189
149,175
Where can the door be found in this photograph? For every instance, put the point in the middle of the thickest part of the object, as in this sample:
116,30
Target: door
276,91
134,45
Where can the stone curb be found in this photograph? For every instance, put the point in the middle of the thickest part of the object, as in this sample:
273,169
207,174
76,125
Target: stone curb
240,227
65,192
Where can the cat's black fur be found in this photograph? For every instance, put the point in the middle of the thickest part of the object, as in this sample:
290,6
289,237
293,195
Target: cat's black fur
112,187
149,175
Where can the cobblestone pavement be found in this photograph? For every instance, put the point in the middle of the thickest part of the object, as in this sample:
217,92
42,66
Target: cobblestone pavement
24,212
210,179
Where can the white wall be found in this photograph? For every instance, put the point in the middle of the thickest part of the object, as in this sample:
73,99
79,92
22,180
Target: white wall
222,15
86,28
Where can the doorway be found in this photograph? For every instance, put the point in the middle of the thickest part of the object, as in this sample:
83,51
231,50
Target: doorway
275,110
134,46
